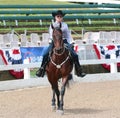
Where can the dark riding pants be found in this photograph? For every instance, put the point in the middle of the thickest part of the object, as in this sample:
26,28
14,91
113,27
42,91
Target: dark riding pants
46,53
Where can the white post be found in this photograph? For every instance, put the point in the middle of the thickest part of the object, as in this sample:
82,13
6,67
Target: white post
77,21
25,31
114,20
4,22
26,70
113,66
40,22
89,21
16,22
82,33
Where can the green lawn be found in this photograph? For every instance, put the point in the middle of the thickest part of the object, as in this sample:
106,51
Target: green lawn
38,2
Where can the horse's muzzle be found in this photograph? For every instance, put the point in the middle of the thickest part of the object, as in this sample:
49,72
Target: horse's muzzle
59,50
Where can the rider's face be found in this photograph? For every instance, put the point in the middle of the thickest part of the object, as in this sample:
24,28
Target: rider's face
59,18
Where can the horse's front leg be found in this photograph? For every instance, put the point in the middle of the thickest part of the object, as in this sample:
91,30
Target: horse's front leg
53,100
57,92
60,110
62,97
63,87
58,97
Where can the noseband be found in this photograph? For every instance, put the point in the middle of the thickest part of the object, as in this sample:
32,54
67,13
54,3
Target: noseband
59,51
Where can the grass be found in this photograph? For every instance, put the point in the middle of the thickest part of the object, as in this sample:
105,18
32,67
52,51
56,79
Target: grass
25,2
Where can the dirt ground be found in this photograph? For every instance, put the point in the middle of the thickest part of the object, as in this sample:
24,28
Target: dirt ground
82,100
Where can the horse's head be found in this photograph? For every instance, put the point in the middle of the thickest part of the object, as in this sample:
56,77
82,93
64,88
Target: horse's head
57,39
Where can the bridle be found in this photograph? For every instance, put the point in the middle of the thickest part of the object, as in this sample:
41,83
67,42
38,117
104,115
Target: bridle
58,50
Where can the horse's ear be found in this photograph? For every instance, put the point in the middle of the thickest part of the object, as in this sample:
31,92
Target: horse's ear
52,26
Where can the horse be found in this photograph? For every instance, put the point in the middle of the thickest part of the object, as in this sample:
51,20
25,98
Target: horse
59,68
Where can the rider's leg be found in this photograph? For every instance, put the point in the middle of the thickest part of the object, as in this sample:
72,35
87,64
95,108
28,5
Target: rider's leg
78,68
41,71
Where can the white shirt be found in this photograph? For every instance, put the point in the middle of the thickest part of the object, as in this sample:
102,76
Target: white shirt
64,27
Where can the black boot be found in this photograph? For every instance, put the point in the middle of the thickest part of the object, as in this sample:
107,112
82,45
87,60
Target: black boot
46,59
41,71
78,70
70,77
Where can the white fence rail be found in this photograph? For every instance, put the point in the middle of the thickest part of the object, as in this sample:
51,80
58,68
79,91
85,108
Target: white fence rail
82,62
26,82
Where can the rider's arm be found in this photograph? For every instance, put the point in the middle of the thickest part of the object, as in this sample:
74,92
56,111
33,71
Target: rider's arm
67,33
50,32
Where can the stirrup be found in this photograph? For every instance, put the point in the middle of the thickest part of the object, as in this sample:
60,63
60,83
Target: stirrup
40,72
78,71
80,74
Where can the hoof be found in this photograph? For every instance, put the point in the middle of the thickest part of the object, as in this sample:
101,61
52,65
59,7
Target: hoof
61,112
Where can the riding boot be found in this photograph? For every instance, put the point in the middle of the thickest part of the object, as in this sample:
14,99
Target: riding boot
41,71
78,69
46,59
74,56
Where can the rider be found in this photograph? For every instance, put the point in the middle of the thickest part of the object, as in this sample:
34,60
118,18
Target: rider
58,18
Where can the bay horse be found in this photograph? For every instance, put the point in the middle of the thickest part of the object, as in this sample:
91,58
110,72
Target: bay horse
59,67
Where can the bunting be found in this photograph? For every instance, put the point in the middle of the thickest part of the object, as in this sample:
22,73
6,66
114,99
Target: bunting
13,56
105,52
